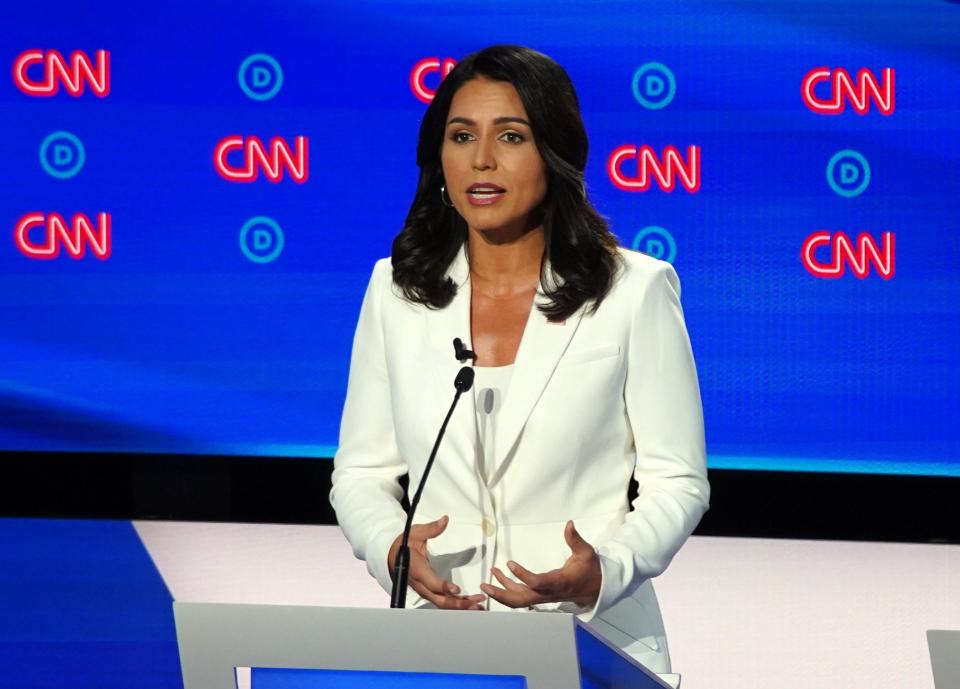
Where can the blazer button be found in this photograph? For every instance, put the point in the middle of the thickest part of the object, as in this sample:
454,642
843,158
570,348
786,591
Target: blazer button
488,527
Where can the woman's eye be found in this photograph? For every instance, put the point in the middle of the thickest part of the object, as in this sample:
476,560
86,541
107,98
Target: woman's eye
509,137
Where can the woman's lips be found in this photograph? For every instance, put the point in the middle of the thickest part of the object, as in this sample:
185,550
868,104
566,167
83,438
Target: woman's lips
484,195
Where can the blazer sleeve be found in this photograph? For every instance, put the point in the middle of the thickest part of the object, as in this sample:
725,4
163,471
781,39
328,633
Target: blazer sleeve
662,398
366,492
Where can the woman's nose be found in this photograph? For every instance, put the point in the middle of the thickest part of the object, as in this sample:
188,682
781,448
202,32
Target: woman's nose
483,156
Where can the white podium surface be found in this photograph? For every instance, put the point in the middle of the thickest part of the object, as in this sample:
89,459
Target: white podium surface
740,613
217,638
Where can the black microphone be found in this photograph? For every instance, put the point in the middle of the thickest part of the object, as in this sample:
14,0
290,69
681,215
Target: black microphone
461,352
401,568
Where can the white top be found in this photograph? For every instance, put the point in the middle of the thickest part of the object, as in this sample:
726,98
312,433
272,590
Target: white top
490,386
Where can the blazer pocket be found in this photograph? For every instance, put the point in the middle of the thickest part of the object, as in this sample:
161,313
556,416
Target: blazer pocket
593,354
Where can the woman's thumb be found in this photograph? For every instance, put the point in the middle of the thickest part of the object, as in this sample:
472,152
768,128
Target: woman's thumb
437,527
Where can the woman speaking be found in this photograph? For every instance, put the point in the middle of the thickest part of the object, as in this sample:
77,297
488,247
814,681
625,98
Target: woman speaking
583,368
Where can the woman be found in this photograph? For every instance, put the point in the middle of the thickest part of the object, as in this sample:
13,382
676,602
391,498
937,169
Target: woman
584,375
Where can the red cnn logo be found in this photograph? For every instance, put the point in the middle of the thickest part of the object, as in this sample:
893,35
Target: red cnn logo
75,74
844,253
418,76
843,89
75,239
666,173
257,156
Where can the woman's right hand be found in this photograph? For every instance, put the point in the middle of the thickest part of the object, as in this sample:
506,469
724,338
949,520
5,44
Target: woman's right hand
422,579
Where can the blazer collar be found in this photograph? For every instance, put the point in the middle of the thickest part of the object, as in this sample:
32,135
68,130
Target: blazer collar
541,346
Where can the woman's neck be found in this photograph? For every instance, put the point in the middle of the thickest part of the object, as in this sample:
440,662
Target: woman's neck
505,268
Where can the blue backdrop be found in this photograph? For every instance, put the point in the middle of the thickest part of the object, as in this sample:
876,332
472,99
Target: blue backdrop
195,336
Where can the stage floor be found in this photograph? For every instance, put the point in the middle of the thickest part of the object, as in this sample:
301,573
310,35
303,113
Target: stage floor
88,603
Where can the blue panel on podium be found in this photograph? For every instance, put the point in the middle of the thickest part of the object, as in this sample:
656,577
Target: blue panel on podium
278,678
601,667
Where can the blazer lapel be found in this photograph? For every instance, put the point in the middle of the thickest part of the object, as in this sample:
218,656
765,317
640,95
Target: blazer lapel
542,345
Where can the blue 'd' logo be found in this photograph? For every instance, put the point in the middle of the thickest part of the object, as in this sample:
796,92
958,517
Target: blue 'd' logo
656,241
261,239
62,155
260,76
654,85
848,173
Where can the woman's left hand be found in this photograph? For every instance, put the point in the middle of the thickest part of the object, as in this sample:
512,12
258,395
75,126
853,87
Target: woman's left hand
578,581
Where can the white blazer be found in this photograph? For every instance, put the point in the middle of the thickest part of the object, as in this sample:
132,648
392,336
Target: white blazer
591,402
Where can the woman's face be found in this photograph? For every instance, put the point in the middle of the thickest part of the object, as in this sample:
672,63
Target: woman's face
492,168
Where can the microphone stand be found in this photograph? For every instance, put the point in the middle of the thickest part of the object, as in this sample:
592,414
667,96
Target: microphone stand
401,568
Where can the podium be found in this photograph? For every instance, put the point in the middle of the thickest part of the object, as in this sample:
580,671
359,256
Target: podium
226,646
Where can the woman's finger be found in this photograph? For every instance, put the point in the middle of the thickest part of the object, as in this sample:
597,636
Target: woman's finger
421,571
529,578
435,582
463,602
426,594
475,601
520,598
442,593
447,602
505,581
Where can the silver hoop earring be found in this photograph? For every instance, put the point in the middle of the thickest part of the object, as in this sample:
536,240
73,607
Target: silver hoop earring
444,196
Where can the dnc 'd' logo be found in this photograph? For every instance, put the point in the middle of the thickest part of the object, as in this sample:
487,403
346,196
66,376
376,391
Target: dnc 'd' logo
41,73
62,155
261,239
656,241
828,91
848,173
654,85
260,77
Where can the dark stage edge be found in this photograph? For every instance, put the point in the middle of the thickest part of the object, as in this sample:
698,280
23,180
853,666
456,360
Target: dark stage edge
758,504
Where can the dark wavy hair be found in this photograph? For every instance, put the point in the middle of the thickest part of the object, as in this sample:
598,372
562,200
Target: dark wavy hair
582,250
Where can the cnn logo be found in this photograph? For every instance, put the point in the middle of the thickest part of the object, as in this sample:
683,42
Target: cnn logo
42,236
41,73
272,159
667,169
841,253
859,92
429,67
